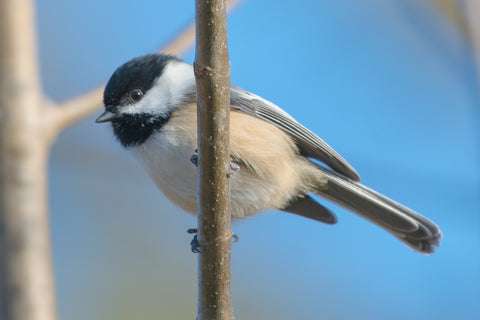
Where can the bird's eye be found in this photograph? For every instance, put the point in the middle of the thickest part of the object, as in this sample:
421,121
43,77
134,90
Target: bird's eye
136,95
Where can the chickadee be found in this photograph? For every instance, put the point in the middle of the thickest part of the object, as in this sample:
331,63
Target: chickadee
151,104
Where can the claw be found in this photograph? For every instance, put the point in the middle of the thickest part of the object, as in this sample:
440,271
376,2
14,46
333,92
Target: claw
195,244
235,238
194,159
235,168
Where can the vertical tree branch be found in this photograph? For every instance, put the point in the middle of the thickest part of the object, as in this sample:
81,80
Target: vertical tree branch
212,73
26,276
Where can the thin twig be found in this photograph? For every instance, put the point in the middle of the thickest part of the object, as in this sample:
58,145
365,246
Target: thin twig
212,74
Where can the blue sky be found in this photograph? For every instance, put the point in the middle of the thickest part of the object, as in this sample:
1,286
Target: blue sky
390,84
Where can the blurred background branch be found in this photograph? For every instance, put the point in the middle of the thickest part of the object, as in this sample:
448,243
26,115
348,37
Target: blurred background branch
27,288
472,14
454,11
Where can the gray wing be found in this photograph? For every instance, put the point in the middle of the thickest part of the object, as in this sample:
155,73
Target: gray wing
307,142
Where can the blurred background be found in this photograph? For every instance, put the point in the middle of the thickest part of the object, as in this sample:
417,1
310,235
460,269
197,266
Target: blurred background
392,85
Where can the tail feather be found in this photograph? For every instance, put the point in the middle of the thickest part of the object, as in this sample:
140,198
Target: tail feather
306,207
411,228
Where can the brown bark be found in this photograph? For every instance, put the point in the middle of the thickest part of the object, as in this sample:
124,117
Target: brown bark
212,73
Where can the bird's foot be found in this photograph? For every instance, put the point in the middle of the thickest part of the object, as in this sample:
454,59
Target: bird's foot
195,244
235,168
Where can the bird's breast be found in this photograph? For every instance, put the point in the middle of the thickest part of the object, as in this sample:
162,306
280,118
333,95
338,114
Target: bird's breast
267,178
166,159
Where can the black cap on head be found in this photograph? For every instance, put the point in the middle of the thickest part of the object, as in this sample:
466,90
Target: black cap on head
138,73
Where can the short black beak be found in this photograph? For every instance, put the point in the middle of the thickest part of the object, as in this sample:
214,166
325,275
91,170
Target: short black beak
106,117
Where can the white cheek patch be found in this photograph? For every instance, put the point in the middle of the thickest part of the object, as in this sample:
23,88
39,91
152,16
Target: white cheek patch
169,90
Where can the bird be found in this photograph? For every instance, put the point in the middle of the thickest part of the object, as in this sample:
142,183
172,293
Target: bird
150,102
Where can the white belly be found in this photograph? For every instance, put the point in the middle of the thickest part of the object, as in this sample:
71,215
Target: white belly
167,162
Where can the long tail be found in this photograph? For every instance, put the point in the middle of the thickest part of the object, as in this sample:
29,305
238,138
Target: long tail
411,228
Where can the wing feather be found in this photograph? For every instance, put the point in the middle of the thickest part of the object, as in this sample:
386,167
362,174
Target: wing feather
309,144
